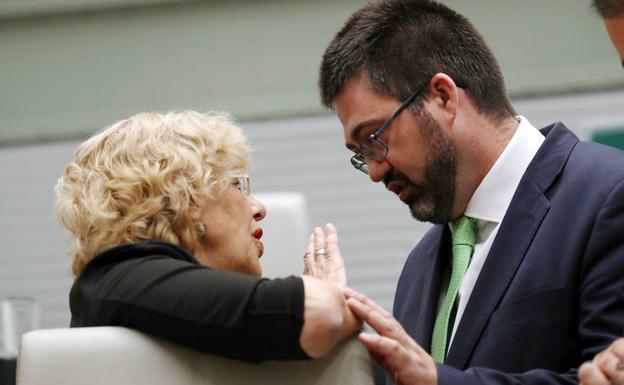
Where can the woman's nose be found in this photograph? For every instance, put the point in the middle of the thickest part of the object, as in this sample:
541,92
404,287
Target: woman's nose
257,208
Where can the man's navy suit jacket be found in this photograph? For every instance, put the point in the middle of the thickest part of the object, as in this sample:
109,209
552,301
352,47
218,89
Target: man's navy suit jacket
551,292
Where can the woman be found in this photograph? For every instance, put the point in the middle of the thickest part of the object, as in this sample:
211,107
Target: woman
166,240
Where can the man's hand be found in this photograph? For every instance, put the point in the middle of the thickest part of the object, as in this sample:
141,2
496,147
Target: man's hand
322,258
607,368
400,356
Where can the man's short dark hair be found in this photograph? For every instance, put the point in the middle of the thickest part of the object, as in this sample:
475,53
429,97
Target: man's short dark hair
609,8
401,44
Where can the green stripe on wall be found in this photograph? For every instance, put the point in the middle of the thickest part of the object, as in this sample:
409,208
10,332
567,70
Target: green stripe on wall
613,137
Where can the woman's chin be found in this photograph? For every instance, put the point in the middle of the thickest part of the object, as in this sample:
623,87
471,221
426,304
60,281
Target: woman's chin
260,247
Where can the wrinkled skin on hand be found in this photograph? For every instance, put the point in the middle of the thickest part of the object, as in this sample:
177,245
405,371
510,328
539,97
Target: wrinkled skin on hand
329,266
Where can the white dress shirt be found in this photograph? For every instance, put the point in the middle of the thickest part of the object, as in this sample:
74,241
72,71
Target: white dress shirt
490,201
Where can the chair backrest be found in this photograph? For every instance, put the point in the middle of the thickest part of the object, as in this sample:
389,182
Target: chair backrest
285,233
115,355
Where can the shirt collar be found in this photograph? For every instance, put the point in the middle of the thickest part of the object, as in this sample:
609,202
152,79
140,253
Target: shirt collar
495,192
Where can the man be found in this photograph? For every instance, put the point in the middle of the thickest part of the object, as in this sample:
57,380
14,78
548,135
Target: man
612,11
520,280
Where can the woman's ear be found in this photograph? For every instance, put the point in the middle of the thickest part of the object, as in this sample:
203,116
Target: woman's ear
200,230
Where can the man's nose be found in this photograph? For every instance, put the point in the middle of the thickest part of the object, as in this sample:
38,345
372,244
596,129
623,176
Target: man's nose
377,170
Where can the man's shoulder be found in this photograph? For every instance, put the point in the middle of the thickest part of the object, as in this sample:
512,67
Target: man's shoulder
596,164
558,133
593,151
572,160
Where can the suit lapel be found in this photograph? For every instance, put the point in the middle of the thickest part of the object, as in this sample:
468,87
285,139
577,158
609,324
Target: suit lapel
505,256
516,233
426,310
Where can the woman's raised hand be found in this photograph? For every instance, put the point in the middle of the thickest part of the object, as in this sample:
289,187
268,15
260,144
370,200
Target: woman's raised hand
322,257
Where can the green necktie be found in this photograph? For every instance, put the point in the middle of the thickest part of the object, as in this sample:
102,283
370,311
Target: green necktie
464,236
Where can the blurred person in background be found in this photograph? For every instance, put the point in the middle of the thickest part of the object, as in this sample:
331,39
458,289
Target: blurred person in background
607,367
520,279
166,240
612,12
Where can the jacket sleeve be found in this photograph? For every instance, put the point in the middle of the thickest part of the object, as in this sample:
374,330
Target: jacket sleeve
218,312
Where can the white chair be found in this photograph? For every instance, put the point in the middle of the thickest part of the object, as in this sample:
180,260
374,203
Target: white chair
285,233
120,356
115,356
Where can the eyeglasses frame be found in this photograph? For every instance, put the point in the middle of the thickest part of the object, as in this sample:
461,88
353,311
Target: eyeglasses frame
244,184
357,160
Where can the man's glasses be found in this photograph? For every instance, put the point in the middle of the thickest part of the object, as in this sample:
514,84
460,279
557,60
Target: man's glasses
373,147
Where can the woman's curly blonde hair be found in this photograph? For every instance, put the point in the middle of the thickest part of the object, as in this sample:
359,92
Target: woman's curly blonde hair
144,178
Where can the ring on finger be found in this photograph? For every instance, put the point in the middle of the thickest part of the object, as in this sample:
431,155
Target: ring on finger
619,366
320,251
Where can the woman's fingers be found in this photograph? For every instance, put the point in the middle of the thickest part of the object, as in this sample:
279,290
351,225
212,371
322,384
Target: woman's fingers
320,253
335,264
322,257
331,241
308,258
314,256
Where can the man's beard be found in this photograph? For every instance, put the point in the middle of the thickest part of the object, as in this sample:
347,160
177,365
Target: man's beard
433,201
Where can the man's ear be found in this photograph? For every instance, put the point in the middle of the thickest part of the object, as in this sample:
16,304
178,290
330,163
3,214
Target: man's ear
443,96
